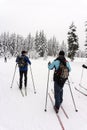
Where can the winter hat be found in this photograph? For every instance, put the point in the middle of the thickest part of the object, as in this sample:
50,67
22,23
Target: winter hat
62,53
23,52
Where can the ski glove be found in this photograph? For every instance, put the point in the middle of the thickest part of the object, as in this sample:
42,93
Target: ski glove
49,63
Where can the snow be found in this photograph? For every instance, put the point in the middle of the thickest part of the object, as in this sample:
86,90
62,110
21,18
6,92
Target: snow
27,113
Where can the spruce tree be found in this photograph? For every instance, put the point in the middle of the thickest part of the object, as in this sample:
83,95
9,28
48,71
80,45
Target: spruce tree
12,44
37,43
53,46
72,42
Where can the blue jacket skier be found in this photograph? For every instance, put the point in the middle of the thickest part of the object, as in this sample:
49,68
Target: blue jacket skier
58,83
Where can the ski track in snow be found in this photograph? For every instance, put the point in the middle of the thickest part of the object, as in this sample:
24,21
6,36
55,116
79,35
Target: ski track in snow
27,113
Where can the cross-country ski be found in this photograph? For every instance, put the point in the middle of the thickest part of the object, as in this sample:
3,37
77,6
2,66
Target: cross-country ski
62,108
22,90
64,112
80,91
83,87
58,117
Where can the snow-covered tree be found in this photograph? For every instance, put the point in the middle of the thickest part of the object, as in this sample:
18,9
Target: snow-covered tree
19,44
53,47
13,44
37,42
29,42
72,42
4,41
41,43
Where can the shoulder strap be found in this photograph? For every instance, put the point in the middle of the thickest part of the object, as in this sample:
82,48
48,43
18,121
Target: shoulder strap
62,60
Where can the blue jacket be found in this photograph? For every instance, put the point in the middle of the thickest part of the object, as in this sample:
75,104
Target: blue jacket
25,68
56,63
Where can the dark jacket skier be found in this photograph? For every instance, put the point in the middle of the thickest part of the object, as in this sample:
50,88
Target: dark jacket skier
23,69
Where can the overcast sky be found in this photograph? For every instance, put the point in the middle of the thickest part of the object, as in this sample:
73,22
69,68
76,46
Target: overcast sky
53,16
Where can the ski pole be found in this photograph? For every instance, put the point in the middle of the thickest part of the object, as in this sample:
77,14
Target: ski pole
32,80
13,76
72,96
47,91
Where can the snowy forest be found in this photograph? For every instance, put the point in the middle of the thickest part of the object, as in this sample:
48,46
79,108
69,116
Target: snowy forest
39,45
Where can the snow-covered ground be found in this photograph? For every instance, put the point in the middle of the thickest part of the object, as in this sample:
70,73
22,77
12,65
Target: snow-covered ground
27,113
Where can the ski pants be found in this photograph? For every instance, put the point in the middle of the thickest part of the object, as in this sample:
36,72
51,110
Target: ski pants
58,94
21,78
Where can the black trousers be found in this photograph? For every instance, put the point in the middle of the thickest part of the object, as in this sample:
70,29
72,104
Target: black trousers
21,79
58,94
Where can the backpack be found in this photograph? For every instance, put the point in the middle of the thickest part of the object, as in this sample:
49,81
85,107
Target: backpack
21,61
61,75
63,71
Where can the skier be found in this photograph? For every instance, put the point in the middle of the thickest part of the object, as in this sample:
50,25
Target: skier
58,81
23,62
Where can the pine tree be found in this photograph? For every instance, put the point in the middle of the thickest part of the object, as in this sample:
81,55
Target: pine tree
1,48
37,42
53,47
20,44
41,43
29,43
5,43
50,47
72,42
12,44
